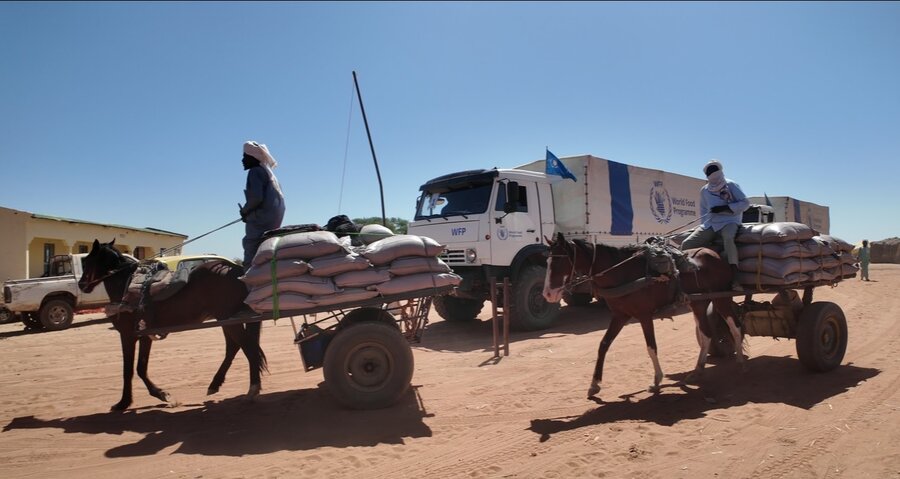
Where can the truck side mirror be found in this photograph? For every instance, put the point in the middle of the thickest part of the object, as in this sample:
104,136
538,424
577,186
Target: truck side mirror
512,197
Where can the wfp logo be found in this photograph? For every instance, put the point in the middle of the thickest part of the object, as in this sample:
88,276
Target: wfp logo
660,203
457,231
502,233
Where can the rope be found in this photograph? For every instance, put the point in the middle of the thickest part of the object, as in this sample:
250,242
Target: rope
346,149
274,272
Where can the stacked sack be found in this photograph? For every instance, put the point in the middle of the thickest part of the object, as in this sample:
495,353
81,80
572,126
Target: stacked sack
789,253
314,269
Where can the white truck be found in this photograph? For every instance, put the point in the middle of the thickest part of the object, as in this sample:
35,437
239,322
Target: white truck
785,208
493,223
50,302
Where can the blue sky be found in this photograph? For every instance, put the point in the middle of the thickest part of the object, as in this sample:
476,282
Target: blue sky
135,113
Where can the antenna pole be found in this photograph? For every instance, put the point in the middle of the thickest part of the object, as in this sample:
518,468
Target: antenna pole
371,147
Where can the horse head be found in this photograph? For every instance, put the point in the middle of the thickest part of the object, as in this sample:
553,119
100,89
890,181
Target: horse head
559,267
102,262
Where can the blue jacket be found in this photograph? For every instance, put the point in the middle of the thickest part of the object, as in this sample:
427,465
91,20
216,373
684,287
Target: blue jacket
730,195
264,207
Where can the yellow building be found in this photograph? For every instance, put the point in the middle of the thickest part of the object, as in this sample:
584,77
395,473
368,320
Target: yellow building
29,240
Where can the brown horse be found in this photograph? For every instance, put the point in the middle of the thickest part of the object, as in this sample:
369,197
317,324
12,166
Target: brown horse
621,276
213,291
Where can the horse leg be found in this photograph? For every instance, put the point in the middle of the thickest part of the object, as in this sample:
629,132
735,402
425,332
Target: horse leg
615,326
249,343
232,346
725,308
128,344
146,343
704,336
650,339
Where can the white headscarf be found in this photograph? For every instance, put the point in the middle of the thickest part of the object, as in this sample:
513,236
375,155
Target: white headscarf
716,179
266,160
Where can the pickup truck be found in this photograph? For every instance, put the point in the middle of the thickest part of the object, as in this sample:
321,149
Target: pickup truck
50,302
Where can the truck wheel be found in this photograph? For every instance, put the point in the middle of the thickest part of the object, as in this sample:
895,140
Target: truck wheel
56,314
6,316
721,344
530,311
368,366
456,309
822,336
577,299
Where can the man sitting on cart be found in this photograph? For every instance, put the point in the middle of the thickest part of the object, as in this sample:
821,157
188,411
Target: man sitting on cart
722,205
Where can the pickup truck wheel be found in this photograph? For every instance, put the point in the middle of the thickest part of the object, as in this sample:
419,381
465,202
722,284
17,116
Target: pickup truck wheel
31,321
530,311
456,309
56,314
6,316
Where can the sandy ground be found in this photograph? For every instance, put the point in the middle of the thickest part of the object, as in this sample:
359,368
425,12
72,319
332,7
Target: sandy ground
466,415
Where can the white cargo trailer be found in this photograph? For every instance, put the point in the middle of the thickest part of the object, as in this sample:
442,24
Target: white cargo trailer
493,223
786,208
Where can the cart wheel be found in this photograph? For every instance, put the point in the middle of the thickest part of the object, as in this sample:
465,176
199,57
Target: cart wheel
368,366
822,336
721,344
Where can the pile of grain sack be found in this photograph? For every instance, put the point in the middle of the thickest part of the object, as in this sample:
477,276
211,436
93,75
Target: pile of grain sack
790,253
314,269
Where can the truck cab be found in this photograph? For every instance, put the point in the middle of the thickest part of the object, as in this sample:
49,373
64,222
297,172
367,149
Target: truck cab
492,223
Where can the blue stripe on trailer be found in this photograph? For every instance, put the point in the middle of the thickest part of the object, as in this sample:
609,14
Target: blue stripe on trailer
620,194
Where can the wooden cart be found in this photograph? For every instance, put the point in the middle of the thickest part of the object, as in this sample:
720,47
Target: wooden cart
362,346
820,328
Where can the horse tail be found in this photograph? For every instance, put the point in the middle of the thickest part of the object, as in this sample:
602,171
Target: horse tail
255,329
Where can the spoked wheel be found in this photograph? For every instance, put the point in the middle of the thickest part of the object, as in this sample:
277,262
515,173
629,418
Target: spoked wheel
368,365
822,336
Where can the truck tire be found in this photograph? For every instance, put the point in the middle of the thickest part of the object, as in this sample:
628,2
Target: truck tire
6,316
368,366
530,311
456,309
822,336
577,299
56,314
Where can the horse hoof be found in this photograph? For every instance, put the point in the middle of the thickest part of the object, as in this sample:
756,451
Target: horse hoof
654,388
211,391
120,406
254,391
593,391
693,377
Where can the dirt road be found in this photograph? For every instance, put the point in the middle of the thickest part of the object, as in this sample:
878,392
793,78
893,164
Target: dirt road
525,415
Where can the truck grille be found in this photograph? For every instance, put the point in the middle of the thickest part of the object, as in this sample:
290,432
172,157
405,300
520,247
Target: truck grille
453,256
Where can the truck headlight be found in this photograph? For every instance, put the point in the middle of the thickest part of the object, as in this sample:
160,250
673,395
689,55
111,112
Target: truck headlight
471,256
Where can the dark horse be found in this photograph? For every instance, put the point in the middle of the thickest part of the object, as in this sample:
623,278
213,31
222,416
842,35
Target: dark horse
213,291
620,276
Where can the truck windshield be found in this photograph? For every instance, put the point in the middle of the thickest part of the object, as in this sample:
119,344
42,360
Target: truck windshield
469,200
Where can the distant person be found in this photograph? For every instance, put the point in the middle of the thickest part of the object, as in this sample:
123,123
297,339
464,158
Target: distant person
722,204
863,257
264,207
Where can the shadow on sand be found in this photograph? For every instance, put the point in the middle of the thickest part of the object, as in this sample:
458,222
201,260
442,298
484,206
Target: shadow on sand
283,421
770,380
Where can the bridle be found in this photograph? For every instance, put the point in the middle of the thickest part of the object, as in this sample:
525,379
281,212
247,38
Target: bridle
129,264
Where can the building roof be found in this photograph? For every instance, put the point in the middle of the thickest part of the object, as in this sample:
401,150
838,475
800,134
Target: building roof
71,220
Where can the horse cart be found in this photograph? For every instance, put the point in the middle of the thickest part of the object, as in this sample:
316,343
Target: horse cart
362,346
820,328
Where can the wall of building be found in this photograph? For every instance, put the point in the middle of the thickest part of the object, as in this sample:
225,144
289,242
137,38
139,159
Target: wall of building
13,250
26,238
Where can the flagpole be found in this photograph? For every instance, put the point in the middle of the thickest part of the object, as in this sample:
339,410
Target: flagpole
371,147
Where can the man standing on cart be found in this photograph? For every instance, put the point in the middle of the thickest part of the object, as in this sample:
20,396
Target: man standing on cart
722,205
264,207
